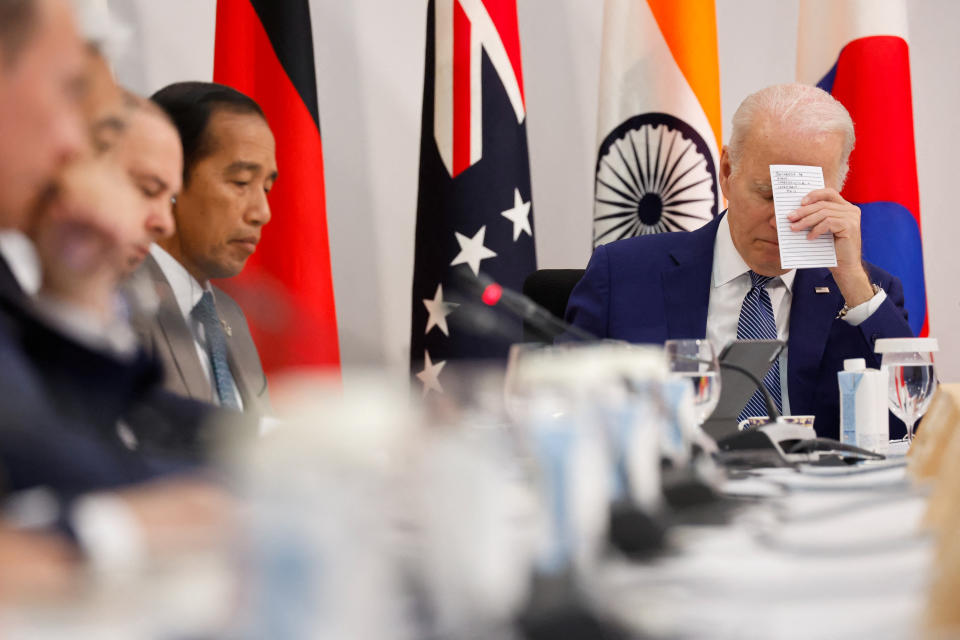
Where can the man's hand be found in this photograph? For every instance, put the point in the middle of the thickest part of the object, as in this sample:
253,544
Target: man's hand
36,565
825,211
181,514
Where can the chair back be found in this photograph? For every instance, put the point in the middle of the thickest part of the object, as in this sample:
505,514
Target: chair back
550,288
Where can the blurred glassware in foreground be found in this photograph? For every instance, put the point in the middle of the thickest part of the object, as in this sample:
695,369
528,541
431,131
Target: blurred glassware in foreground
909,363
485,511
316,549
696,361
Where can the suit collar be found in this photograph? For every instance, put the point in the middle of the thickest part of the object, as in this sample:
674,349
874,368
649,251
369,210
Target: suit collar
182,343
186,290
698,244
177,335
686,287
9,284
728,264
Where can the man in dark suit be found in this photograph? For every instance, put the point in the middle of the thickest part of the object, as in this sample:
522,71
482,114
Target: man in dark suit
199,332
713,281
145,147
69,374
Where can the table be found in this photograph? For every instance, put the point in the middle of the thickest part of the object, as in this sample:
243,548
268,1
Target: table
811,553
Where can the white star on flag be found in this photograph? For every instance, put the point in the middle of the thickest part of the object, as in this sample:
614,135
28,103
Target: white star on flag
438,310
472,250
519,215
430,374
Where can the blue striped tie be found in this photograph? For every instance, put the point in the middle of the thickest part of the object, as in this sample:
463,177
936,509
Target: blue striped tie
757,323
206,313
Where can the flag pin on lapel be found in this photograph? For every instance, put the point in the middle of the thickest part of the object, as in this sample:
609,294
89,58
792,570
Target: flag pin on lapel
822,289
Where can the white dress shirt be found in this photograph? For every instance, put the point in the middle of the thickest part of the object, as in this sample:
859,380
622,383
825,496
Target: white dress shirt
21,257
731,282
188,292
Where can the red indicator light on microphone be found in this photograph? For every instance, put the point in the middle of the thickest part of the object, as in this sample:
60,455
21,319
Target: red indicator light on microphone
491,295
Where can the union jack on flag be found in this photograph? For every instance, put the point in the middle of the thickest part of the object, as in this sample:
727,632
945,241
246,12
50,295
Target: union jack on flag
474,203
458,86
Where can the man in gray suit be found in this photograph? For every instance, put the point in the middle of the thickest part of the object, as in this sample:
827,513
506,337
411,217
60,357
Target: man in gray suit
198,331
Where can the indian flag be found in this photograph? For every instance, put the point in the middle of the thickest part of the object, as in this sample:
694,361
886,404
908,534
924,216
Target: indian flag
658,130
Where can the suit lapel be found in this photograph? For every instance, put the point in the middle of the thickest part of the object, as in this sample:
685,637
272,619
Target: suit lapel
9,285
179,338
811,318
686,287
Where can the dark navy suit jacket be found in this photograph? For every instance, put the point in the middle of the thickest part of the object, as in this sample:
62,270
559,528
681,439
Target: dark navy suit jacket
654,288
60,403
87,392
58,435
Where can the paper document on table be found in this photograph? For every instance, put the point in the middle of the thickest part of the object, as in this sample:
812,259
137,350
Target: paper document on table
790,183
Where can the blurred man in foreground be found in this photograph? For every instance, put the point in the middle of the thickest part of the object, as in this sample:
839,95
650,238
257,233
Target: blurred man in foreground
131,171
721,280
68,372
200,333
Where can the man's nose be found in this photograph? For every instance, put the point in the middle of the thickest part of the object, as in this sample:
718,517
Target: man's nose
71,137
160,223
258,213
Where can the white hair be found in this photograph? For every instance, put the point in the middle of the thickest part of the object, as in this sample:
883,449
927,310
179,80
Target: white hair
799,108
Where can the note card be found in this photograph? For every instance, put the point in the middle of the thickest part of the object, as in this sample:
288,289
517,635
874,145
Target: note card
790,183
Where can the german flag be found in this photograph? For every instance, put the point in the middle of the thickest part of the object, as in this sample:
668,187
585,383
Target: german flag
264,48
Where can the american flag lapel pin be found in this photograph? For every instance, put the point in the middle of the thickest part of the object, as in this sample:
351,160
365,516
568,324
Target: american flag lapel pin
822,290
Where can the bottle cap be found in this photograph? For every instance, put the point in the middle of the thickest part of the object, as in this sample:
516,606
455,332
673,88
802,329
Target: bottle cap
854,364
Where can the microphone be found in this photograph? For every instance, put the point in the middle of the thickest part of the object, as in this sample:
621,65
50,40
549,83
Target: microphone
770,444
633,531
776,444
495,295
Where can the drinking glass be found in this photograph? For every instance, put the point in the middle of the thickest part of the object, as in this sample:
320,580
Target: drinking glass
909,363
696,360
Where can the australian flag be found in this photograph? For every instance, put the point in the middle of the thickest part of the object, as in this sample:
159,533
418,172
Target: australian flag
474,209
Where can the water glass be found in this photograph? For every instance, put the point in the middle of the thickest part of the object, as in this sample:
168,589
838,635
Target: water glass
696,361
909,363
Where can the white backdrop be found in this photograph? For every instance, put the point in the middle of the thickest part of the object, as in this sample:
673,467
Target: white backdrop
370,82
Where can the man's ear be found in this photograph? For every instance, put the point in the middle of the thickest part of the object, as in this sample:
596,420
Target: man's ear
726,170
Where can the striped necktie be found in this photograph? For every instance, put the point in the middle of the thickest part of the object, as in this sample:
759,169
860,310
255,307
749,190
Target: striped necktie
757,323
206,313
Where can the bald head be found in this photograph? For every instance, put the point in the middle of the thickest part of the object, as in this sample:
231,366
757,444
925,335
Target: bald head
150,153
795,111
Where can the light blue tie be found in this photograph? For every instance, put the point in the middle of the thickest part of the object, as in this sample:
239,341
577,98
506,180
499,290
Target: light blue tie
757,323
206,313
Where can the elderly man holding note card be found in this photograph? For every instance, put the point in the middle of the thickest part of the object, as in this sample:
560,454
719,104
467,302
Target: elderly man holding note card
783,261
